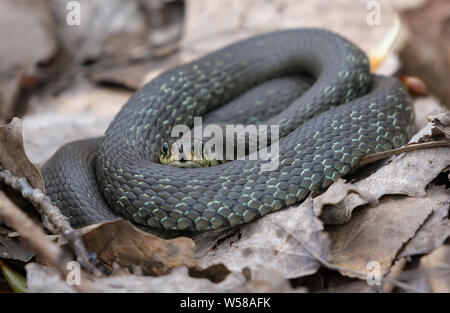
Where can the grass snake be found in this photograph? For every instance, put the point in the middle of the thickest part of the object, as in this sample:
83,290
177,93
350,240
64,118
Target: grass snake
313,83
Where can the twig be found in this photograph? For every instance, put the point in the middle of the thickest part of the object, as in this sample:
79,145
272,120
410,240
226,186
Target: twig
45,207
411,147
34,235
395,273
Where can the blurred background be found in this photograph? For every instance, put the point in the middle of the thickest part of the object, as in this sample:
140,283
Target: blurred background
67,67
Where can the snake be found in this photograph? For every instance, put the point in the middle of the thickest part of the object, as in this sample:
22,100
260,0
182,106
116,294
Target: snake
313,84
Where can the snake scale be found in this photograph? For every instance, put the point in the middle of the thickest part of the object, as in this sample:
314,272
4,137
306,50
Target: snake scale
341,114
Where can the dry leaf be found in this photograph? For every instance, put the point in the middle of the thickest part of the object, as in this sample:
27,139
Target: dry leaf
378,233
273,242
121,242
44,279
441,123
10,248
435,230
408,174
13,156
337,192
437,128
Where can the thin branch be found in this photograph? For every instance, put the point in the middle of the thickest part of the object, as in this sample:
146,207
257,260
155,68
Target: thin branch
34,235
45,207
394,273
411,147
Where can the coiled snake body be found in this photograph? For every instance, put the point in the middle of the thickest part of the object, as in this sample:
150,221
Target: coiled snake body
313,83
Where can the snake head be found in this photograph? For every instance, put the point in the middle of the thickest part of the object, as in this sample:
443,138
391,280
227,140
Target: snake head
184,154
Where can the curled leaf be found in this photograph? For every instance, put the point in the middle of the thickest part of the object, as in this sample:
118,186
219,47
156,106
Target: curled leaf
13,156
121,242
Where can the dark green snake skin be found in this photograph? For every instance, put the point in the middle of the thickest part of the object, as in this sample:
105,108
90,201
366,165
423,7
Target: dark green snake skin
344,114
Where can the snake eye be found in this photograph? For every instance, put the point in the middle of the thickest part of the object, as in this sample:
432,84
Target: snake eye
165,148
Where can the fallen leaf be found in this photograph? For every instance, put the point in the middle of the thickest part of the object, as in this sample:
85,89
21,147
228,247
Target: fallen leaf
408,174
337,192
378,233
45,279
10,248
273,242
13,156
441,123
437,128
121,242
435,230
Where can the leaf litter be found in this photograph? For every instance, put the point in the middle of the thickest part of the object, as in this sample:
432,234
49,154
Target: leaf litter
282,242
395,212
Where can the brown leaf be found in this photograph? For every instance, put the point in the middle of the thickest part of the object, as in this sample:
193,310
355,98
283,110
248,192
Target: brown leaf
436,266
441,123
10,248
408,174
378,233
435,230
437,128
13,156
121,242
44,279
275,242
337,192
